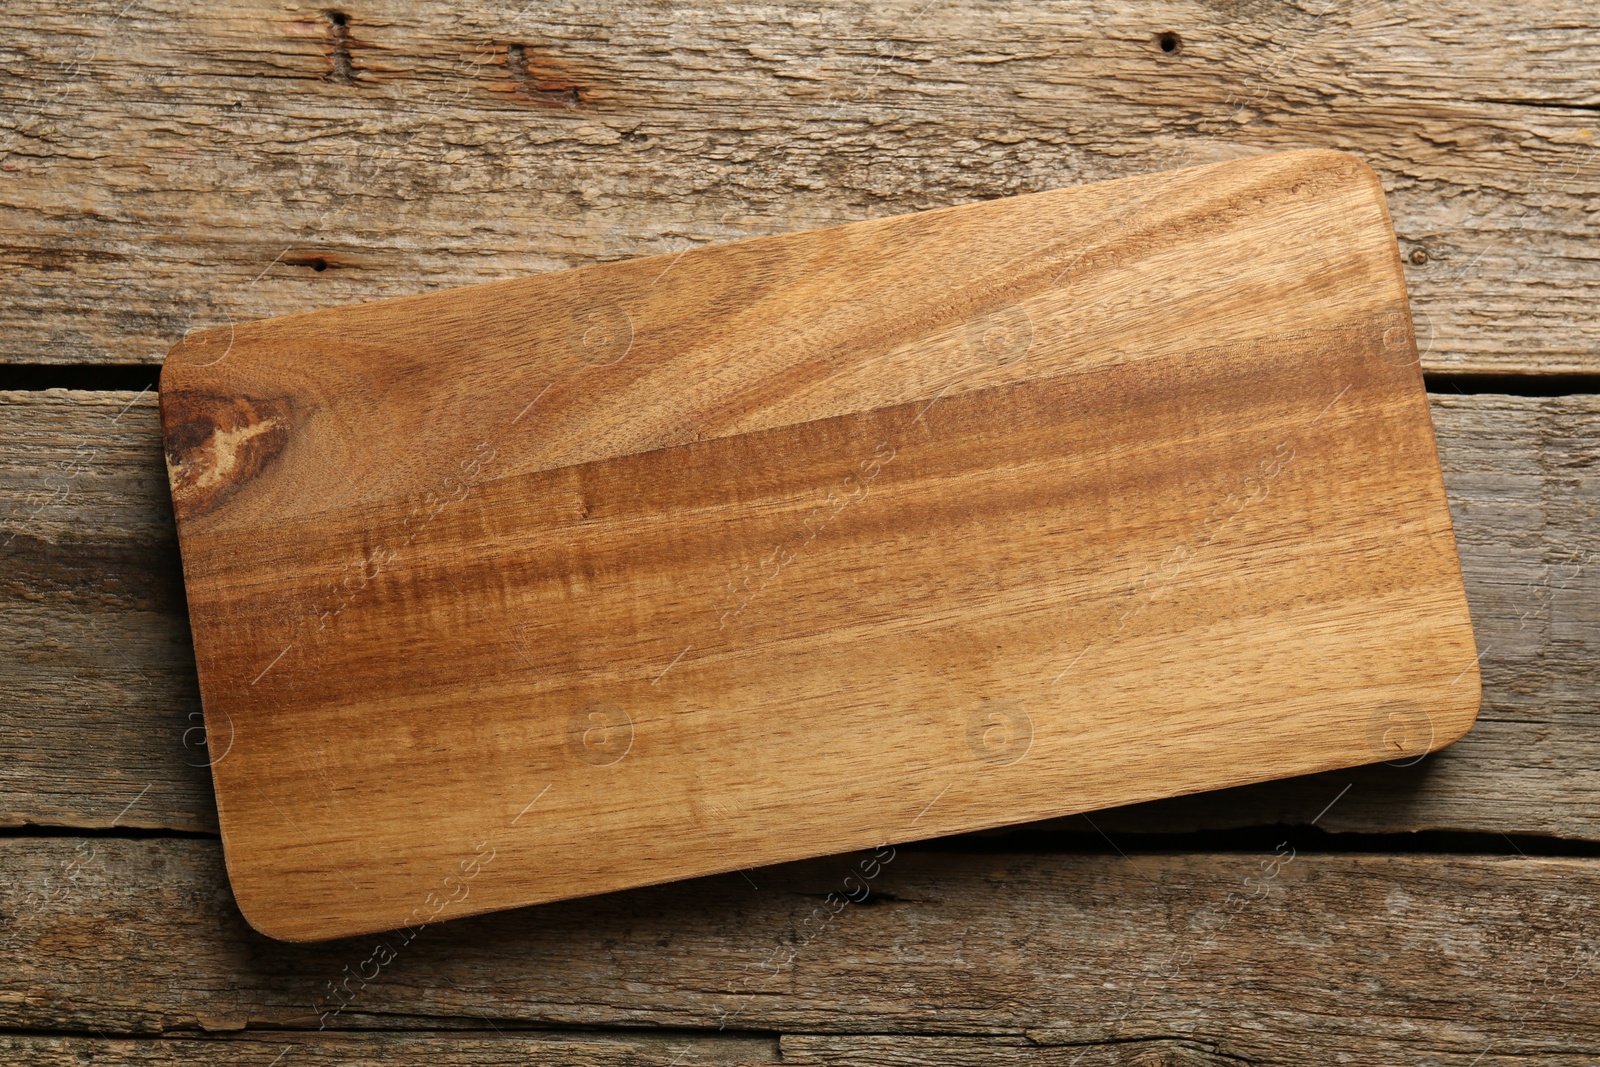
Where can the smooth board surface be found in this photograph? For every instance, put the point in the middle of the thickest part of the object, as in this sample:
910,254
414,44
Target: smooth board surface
810,543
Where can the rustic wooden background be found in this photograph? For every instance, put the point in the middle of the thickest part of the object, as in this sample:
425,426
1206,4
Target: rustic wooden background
167,166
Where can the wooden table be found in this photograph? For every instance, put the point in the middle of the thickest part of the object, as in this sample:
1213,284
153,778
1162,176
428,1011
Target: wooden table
167,169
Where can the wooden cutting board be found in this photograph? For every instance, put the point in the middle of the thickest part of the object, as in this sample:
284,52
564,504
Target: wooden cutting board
813,543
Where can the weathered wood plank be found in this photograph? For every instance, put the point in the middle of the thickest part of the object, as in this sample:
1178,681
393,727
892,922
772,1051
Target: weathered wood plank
624,1049
103,709
167,168
93,603
1362,958
507,1049
808,1050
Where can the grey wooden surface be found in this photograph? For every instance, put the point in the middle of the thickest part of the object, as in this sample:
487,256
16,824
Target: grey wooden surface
169,167
164,167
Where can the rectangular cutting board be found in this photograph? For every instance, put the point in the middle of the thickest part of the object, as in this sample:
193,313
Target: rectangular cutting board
809,543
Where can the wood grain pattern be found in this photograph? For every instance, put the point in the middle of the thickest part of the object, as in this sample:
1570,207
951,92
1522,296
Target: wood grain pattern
169,169
625,1049
809,532
93,603
515,1049
165,167
1273,957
